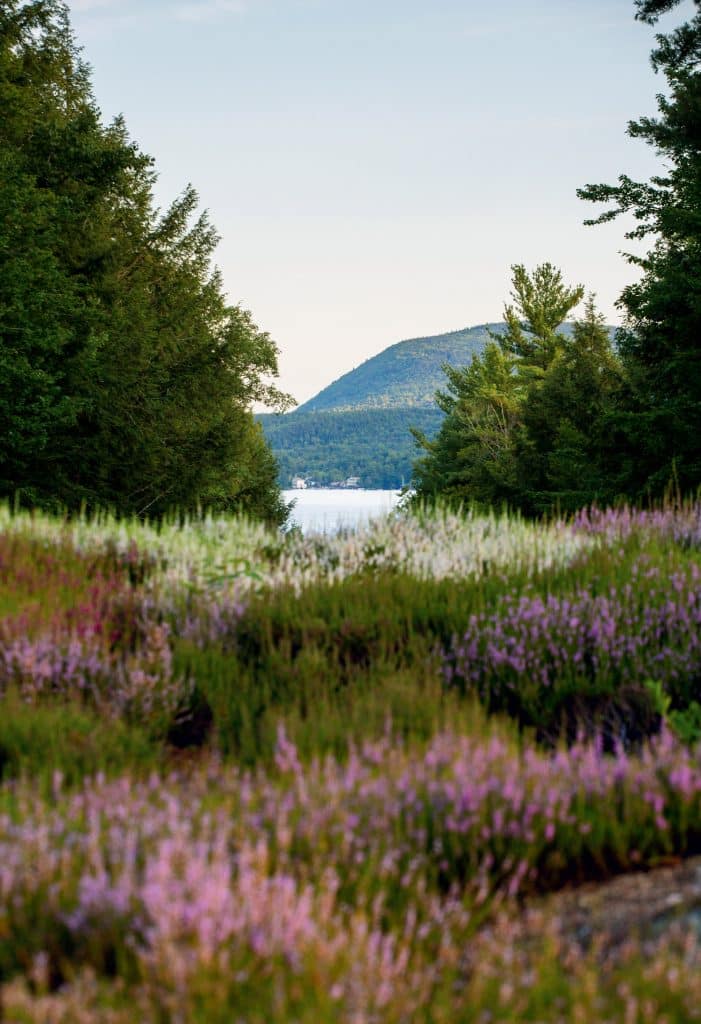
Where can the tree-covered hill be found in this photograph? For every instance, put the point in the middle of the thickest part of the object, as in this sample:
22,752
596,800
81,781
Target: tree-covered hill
360,424
405,374
326,447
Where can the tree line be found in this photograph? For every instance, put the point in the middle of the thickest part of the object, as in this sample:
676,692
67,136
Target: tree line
126,378
542,421
331,445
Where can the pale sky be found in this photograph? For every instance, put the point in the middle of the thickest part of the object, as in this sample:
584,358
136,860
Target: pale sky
374,167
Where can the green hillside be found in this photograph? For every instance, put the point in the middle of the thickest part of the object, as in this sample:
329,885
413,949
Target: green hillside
405,374
360,424
374,444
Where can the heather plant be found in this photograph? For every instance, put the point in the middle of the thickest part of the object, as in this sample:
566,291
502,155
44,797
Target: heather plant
224,554
538,657
554,983
76,628
352,889
156,625
48,585
335,649
679,522
352,835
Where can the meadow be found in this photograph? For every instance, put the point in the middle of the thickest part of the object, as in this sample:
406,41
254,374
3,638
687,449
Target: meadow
252,777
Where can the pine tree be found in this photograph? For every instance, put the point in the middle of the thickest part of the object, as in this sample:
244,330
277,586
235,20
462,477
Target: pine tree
564,449
471,459
478,453
541,303
56,164
660,422
126,378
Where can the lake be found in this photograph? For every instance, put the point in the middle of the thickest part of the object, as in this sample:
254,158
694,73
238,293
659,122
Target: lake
327,510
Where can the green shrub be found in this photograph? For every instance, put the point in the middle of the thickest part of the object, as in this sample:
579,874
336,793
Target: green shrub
40,740
687,723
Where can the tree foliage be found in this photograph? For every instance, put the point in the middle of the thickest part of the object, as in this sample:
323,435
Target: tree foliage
660,419
125,376
472,455
333,444
564,447
587,423
523,421
541,303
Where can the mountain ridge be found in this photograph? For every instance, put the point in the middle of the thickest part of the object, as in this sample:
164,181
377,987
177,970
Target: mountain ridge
404,374
359,425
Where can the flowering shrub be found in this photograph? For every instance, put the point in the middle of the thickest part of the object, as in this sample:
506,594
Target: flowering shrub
225,554
382,883
339,876
682,523
533,652
76,626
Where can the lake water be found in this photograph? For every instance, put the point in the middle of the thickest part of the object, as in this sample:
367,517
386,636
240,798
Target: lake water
327,510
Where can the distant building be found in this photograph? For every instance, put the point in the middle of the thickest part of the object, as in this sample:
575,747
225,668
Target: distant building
352,481
298,483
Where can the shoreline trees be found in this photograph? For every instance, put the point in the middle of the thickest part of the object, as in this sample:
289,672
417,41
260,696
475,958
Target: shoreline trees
126,378
542,425
659,419
522,421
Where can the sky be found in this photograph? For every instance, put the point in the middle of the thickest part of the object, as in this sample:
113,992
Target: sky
375,167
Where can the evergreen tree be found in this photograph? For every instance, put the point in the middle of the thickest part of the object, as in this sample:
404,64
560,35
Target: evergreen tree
564,448
660,421
125,377
541,303
56,164
478,453
471,459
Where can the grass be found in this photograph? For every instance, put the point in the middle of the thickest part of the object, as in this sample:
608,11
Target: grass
320,711
66,739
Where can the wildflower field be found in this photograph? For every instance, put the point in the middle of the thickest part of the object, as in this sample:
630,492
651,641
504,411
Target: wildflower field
253,777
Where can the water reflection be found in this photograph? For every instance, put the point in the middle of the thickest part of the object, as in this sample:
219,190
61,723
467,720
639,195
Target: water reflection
328,510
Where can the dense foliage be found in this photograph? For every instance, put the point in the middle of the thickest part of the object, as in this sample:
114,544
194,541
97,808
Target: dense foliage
659,419
373,444
540,423
125,378
523,421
